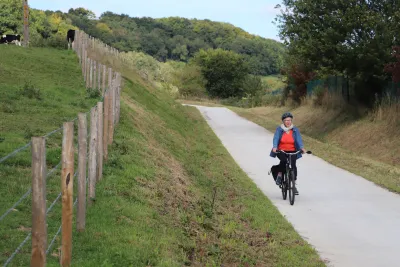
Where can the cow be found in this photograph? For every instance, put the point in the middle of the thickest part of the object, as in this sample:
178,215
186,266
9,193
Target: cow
70,37
11,39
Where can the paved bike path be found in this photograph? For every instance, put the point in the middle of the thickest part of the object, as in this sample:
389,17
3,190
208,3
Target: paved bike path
349,220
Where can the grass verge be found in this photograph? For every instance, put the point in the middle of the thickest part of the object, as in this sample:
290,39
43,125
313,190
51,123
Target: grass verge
173,196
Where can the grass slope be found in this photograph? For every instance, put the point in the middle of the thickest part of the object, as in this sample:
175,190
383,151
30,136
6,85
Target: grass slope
40,89
367,148
171,194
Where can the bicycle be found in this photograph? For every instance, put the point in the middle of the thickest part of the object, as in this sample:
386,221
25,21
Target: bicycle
288,181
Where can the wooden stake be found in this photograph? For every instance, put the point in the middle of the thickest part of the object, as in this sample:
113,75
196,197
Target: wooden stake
82,157
104,79
67,182
111,117
100,141
39,228
92,154
105,124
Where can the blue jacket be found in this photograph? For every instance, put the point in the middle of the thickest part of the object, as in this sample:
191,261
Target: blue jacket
298,142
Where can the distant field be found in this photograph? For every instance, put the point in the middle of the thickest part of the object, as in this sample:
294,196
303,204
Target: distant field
274,82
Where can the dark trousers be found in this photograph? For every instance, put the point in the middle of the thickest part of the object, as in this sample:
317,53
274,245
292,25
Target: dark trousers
282,163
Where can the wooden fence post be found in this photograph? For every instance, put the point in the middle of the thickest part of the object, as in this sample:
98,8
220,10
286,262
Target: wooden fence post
84,65
82,139
94,74
100,141
104,80
39,227
119,88
109,78
91,74
92,154
87,71
67,181
99,77
111,117
105,124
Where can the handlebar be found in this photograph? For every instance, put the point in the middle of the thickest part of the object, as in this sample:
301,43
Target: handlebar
295,153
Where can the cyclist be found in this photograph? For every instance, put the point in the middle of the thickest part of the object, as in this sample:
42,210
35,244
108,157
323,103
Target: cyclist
287,138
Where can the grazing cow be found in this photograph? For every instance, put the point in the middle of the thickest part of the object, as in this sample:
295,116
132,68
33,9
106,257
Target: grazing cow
70,37
11,39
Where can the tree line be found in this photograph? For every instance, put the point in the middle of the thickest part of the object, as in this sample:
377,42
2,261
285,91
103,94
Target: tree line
179,39
351,38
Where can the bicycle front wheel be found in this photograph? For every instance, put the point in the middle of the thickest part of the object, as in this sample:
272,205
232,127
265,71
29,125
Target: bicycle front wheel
291,187
284,186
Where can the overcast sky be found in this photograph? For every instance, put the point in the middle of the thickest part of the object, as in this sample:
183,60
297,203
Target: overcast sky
253,16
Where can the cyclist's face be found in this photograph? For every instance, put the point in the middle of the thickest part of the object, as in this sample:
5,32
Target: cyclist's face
287,122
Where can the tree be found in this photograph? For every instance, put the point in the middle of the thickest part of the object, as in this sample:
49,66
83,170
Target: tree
10,17
82,12
224,72
347,37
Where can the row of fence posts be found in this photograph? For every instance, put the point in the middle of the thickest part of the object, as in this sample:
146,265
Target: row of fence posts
84,43
103,119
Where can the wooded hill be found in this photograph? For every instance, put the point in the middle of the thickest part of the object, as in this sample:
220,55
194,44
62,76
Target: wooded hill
165,39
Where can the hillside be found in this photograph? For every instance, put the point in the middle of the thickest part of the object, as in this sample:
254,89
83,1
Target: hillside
179,39
172,38
171,194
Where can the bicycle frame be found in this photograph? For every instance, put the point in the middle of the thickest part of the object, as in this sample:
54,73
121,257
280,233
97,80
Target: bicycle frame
289,159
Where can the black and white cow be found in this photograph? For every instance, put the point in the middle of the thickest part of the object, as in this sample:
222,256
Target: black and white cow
70,37
10,39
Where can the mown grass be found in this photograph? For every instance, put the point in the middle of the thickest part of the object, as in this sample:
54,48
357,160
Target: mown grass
362,146
171,194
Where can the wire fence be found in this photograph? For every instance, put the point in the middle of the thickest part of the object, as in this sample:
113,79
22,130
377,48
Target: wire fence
91,150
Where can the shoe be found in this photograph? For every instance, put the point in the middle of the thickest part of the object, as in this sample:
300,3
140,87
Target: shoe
296,192
279,179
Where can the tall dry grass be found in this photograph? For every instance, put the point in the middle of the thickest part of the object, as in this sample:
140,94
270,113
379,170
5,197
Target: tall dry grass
387,110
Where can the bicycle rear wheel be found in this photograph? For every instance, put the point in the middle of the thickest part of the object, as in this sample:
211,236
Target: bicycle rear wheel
291,186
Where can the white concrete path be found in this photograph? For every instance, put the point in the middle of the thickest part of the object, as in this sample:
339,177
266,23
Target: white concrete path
349,220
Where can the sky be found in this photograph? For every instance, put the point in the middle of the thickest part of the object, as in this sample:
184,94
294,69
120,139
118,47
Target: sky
253,16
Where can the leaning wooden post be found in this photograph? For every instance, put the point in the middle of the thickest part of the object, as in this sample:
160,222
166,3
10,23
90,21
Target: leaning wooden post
39,228
105,124
92,154
82,156
67,181
100,141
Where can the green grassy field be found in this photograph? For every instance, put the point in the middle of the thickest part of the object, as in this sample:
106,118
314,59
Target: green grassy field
274,82
40,89
171,193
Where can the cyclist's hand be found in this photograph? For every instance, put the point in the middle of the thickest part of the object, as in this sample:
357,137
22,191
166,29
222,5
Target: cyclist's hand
274,150
304,150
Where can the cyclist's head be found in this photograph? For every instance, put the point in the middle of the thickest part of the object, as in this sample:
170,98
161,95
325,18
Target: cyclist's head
287,119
